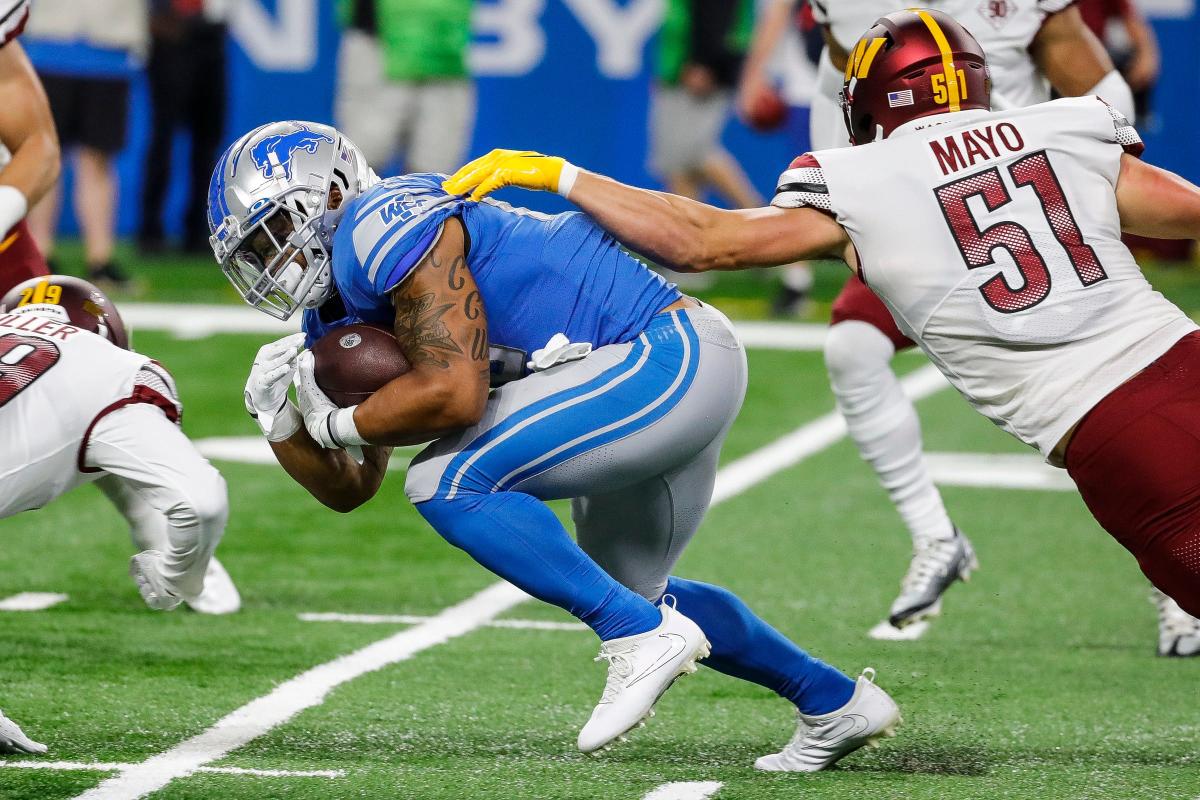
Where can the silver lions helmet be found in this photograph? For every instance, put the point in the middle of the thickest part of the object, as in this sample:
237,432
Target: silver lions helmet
269,212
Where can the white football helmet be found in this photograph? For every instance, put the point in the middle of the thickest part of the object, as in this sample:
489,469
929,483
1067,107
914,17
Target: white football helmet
269,216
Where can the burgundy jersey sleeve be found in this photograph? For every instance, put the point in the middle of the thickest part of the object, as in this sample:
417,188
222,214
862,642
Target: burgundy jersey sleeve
13,16
803,185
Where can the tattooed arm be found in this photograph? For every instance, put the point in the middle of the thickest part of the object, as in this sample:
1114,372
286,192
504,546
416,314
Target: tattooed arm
442,327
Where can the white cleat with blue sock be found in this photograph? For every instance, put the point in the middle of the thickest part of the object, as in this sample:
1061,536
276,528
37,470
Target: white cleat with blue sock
820,741
640,669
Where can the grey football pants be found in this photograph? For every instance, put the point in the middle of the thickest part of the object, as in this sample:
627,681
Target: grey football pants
632,433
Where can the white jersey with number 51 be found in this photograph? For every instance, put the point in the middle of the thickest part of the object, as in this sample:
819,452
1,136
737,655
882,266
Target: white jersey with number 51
56,382
994,239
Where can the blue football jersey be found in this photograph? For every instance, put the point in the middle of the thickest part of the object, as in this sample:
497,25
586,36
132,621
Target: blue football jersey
538,274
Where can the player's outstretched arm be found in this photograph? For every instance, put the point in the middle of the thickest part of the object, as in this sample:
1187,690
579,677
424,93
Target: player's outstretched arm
1156,203
27,130
677,232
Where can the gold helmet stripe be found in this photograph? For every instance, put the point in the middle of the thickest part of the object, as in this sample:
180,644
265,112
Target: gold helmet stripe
869,57
952,88
854,59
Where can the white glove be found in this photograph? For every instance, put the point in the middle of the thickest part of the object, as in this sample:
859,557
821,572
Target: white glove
559,350
267,388
14,740
330,426
146,571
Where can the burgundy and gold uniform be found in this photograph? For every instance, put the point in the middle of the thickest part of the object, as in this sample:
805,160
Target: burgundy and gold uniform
20,258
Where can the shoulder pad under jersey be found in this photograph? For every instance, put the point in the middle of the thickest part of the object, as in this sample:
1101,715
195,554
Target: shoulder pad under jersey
803,184
393,226
13,16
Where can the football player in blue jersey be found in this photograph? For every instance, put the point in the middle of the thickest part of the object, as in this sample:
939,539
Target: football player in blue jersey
547,363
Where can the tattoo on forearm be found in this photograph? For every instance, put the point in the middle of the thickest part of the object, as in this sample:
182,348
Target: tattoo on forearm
479,345
472,306
454,280
421,332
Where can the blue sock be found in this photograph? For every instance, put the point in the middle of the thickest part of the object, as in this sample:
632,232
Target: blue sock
746,647
518,537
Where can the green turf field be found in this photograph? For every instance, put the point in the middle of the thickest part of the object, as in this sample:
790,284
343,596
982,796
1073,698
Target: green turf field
1039,682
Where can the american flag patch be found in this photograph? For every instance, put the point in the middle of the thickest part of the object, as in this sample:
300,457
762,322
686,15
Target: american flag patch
904,98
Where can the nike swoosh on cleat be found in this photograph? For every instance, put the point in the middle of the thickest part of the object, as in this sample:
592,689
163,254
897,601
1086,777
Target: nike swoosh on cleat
850,725
676,645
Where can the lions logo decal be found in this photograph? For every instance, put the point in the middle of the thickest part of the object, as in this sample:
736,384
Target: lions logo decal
274,153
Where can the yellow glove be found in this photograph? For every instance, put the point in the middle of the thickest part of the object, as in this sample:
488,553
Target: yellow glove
523,168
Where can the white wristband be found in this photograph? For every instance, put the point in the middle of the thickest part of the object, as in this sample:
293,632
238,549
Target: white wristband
1113,90
567,178
285,424
343,429
13,207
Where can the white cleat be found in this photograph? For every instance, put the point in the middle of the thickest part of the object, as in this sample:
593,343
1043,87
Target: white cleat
1178,631
640,669
220,596
14,740
936,565
820,741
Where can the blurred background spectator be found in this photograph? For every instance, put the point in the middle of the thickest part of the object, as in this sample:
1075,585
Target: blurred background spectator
404,78
756,99
186,74
403,92
1131,42
29,152
86,54
701,47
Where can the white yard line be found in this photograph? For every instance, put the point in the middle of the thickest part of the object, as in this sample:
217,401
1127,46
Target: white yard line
32,601
684,790
195,321
257,450
412,619
310,688
100,766
304,691
824,431
769,335
997,471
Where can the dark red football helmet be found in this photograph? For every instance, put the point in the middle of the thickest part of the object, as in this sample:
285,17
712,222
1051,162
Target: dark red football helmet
912,64
84,305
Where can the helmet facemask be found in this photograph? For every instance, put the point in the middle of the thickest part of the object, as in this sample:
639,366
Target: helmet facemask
276,198
280,260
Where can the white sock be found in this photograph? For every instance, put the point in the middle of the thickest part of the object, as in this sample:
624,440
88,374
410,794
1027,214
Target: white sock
883,423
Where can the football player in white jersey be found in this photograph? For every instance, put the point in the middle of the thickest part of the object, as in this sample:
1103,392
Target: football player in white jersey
994,239
29,150
77,406
1030,45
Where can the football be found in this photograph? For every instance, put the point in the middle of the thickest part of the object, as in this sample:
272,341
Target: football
353,362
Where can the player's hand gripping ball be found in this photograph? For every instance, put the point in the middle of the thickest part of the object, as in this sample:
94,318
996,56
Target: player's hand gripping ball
354,362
